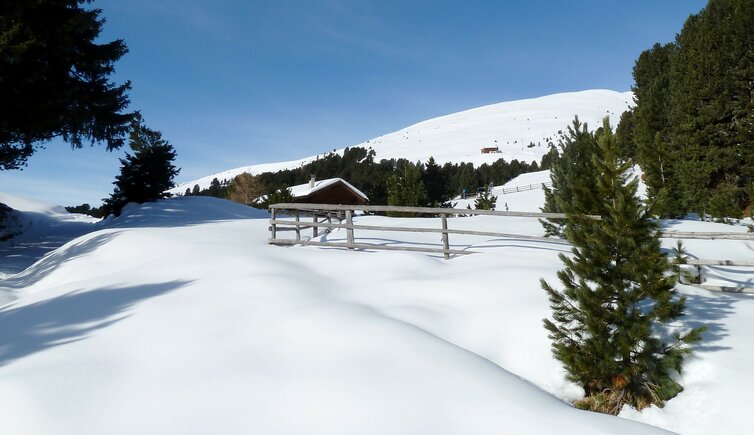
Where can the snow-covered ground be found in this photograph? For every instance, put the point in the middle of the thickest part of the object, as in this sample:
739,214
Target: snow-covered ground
178,317
44,227
511,126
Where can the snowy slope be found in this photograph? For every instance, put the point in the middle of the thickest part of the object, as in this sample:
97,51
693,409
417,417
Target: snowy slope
193,324
459,137
178,318
530,198
41,228
27,205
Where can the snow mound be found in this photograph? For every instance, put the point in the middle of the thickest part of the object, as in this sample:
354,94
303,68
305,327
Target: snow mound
28,205
179,318
182,211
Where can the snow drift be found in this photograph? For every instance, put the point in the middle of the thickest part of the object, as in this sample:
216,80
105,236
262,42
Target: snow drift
177,317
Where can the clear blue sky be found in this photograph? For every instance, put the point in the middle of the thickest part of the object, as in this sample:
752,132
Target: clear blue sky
239,82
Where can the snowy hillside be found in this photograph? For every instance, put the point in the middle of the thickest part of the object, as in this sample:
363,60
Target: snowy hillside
39,228
179,318
511,126
31,206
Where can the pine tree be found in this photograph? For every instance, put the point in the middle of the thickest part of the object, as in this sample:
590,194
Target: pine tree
618,294
278,196
624,133
215,189
694,113
147,174
406,188
572,176
485,201
435,183
713,98
725,201
54,79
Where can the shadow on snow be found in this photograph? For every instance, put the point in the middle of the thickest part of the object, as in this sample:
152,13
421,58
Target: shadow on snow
69,318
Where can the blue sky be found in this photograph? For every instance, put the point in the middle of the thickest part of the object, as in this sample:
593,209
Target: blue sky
239,82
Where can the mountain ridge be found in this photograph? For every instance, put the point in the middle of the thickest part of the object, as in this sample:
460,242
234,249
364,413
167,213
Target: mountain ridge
520,129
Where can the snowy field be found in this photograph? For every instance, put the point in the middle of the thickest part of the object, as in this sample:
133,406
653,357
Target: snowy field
179,318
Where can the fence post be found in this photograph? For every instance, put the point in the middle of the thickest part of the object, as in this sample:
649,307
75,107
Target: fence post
315,229
273,226
445,241
349,231
298,227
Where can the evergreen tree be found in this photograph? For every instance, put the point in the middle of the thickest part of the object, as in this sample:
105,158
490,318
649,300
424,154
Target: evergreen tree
485,201
54,79
713,94
624,133
651,129
215,189
86,209
406,188
618,296
725,201
693,119
279,196
573,178
434,183
147,174
549,158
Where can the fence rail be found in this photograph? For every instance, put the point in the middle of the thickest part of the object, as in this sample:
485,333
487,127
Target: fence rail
314,210
330,216
523,188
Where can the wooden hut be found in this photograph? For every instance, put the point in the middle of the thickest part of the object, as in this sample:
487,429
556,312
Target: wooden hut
329,191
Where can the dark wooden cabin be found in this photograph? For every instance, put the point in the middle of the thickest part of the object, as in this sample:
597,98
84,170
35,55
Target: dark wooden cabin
329,191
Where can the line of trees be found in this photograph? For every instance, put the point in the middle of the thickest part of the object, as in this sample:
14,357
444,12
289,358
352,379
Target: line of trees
389,181
692,128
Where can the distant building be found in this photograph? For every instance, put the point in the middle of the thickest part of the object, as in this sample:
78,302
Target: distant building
490,150
329,191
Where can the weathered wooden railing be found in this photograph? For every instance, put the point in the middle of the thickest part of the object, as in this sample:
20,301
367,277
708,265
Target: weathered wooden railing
522,188
686,235
699,262
331,217
297,210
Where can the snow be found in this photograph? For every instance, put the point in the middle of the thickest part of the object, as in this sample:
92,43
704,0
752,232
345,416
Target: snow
43,227
27,205
459,137
530,200
179,318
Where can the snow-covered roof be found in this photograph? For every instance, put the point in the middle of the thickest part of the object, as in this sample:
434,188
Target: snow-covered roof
303,190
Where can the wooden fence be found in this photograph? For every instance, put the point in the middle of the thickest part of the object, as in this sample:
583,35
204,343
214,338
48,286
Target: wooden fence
321,216
524,188
329,217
